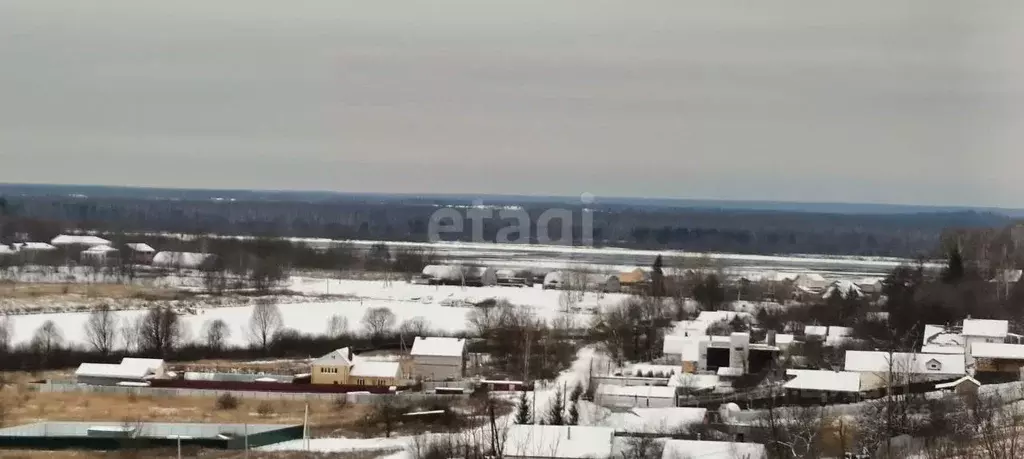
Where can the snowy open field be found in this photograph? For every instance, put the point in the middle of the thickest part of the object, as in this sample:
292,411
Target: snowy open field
440,306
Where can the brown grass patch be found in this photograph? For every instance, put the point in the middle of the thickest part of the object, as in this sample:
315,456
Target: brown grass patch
83,290
24,406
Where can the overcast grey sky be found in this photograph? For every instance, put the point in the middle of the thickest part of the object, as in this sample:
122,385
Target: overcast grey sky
864,101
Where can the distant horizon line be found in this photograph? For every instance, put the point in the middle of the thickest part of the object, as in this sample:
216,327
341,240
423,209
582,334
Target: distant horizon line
701,202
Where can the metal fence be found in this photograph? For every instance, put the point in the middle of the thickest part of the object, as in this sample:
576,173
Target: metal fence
354,397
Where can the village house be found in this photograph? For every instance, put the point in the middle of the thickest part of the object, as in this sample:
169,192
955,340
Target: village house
140,253
341,367
827,385
438,358
904,368
99,255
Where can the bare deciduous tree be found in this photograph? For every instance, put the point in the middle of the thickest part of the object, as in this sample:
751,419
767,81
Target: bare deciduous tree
216,333
416,326
6,332
264,322
160,330
378,321
47,338
130,334
337,326
101,329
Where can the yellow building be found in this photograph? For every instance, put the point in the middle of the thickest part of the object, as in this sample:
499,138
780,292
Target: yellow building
341,367
333,368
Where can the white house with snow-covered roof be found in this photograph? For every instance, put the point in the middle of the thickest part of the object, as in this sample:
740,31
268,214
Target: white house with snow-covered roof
811,282
438,358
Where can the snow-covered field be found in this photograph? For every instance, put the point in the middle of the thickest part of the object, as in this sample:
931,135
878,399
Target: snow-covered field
442,307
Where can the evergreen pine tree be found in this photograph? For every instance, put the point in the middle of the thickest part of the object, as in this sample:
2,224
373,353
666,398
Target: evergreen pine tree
657,278
574,415
556,410
577,392
523,410
954,271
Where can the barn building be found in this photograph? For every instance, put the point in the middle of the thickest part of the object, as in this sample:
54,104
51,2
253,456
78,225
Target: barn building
438,358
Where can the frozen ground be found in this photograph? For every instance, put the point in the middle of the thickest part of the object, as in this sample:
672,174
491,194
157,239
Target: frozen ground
443,307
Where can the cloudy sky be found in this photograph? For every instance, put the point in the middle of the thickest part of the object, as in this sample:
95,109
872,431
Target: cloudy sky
817,100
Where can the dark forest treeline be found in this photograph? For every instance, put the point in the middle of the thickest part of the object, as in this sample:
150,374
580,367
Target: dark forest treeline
755,232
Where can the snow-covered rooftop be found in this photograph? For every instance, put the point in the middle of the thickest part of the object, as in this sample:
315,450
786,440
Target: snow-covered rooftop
180,259
35,246
998,351
905,363
712,450
140,247
336,357
942,349
694,382
438,346
570,442
637,391
824,380
149,364
375,369
111,370
816,330
78,239
100,249
663,420
730,372
986,328
783,339
952,384
844,288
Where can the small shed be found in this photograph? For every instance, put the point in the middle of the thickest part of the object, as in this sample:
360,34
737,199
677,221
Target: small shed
99,255
140,252
966,386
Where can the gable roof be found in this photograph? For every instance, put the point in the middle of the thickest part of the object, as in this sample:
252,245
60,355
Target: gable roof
438,346
904,363
73,239
824,380
952,384
34,246
712,450
335,357
986,328
140,247
569,442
